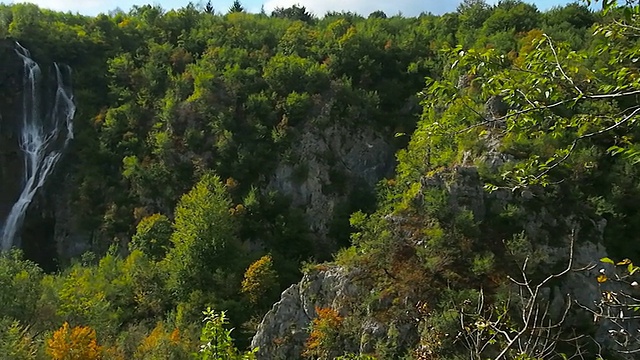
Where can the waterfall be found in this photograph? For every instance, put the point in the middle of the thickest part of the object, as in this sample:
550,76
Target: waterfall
43,137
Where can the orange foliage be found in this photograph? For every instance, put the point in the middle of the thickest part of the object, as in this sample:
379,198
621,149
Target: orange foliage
174,337
162,344
78,343
324,330
259,279
152,340
157,339
99,119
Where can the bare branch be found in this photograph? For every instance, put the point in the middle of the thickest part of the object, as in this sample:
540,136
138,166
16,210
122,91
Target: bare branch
537,335
564,74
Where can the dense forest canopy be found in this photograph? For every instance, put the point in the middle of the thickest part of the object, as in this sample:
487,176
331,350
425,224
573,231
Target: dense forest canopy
186,120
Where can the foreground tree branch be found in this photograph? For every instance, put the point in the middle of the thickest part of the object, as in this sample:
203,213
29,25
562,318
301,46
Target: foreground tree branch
489,330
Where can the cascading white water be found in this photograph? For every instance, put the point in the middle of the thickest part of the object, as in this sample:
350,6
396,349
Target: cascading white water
42,139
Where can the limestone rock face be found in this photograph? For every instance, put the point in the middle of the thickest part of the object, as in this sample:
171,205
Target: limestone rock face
464,188
582,288
282,334
331,162
284,330
11,71
46,234
37,241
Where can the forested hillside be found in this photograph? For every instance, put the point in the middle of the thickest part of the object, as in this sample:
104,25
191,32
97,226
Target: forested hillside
420,175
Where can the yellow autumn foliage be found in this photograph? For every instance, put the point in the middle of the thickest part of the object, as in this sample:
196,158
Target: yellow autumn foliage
77,343
259,278
162,344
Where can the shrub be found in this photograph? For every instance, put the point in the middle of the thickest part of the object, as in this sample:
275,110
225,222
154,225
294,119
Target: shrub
152,236
16,342
78,343
217,343
260,279
162,344
325,330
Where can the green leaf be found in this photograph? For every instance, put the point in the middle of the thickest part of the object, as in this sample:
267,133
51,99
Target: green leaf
615,150
607,260
627,14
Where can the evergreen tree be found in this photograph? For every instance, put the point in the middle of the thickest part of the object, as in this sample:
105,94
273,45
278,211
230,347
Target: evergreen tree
208,8
294,13
236,7
379,14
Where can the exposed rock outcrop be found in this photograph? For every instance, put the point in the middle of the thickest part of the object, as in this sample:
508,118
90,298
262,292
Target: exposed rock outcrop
582,289
282,335
48,216
284,329
330,163
11,71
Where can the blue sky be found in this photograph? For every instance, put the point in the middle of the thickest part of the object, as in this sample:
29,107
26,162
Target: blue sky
319,7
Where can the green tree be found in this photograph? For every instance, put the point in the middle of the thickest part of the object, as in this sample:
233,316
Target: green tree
20,281
471,14
294,12
511,15
205,237
286,74
508,18
379,14
261,281
208,8
152,236
16,341
236,7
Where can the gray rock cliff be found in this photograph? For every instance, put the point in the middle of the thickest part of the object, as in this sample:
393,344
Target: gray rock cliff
11,71
331,162
284,330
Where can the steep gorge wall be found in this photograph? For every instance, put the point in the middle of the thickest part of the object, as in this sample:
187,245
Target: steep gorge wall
10,108
284,330
48,213
334,169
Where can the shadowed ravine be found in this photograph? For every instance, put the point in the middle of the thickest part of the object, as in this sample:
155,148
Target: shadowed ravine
44,134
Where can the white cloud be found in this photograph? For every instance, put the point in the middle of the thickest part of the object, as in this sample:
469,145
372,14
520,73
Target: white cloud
365,7
82,6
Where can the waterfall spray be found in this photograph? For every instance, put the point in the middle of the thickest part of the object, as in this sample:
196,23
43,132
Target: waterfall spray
42,138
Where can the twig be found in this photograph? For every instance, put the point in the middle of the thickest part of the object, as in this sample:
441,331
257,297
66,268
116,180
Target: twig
564,74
